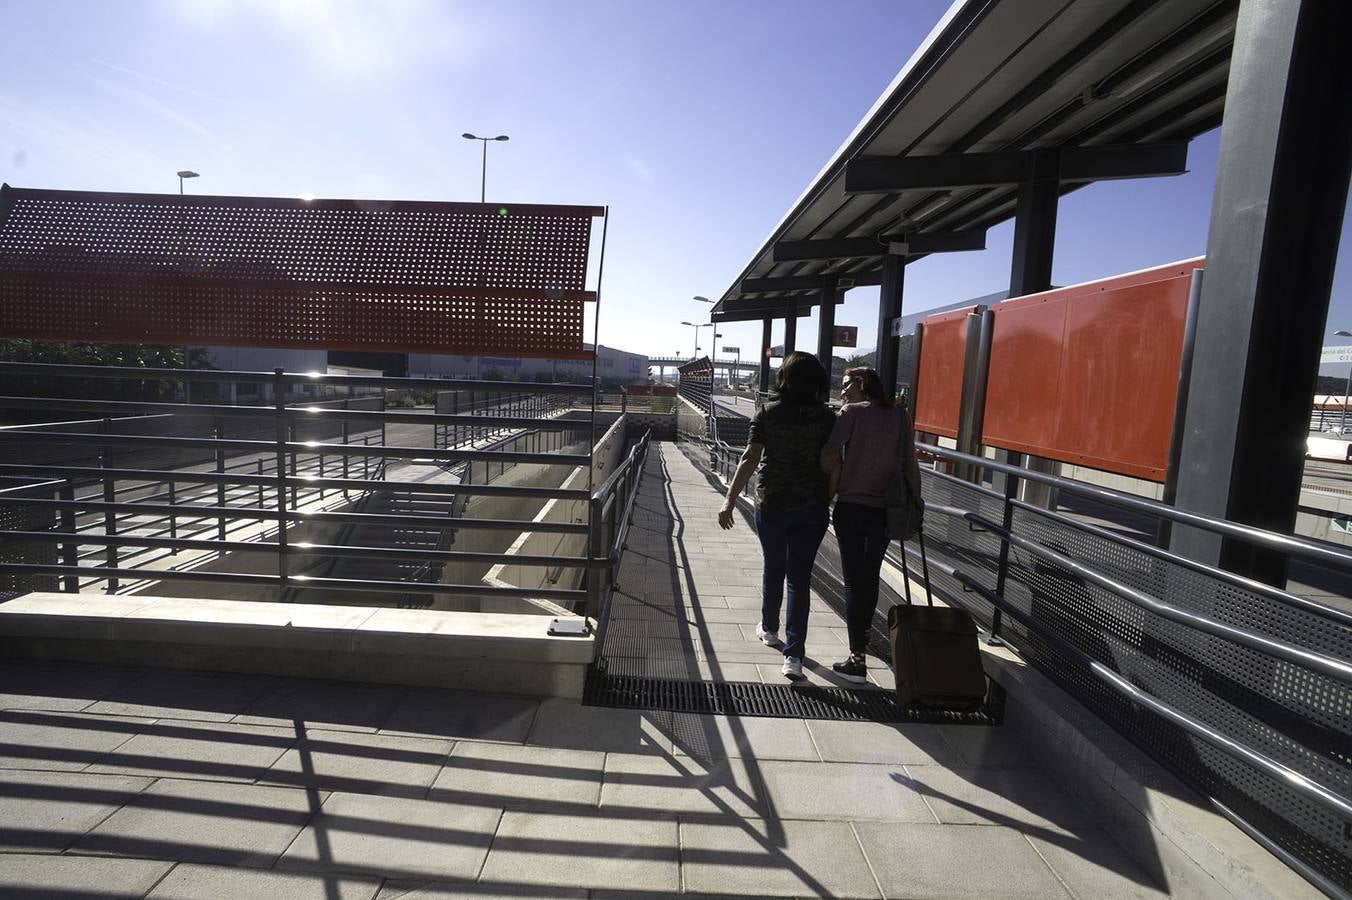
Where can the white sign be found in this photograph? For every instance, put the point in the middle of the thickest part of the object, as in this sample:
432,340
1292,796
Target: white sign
1339,354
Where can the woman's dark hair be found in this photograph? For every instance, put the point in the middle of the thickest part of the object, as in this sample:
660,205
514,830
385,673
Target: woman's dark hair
802,379
869,383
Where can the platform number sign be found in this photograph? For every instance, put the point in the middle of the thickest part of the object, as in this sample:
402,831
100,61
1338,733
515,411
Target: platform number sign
847,336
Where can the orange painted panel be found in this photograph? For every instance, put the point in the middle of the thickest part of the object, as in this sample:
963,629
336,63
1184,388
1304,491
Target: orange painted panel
1025,369
939,393
1088,374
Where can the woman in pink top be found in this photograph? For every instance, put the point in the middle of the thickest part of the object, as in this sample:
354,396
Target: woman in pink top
861,457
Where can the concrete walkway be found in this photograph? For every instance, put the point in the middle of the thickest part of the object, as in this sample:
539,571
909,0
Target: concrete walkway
688,596
132,783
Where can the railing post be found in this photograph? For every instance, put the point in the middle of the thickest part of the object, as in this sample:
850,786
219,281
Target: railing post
1006,521
70,549
594,554
218,431
110,516
295,491
261,499
173,516
280,423
347,438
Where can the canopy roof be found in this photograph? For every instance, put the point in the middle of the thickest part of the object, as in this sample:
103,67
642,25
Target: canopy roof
997,76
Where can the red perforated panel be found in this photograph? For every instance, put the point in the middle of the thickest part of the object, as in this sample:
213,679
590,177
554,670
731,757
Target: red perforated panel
265,272
938,396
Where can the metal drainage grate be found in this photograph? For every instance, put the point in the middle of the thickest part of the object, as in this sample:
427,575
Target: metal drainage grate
802,701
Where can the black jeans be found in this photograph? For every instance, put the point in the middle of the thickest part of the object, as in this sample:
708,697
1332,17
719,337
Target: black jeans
861,532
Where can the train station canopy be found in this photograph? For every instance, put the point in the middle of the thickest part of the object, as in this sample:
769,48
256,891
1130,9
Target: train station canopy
1106,89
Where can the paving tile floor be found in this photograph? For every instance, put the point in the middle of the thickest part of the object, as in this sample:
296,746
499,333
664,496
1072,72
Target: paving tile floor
162,784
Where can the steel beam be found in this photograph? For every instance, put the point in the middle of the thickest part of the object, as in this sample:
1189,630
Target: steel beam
1276,215
899,244
886,174
889,311
810,282
790,330
826,329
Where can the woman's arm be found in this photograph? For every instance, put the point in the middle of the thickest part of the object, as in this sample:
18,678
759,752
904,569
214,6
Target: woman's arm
751,458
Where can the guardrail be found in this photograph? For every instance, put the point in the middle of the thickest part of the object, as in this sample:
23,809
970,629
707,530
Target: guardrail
612,508
259,494
1242,689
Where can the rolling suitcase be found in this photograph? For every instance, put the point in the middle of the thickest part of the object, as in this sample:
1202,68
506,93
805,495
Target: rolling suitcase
934,650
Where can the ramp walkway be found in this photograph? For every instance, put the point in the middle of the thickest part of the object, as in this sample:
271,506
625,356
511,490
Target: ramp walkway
688,595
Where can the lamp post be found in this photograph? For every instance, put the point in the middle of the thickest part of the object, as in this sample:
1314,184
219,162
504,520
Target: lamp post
186,173
697,328
1347,387
483,178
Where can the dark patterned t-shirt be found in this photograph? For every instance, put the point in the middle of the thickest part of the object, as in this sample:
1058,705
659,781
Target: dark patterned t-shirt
790,475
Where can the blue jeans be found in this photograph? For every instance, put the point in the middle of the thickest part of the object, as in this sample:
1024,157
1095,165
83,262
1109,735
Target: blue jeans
789,540
861,532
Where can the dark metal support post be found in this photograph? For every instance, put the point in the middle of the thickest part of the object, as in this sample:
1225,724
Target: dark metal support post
109,496
1276,216
790,329
279,411
70,549
972,406
889,312
1031,270
1170,494
826,328
218,431
766,338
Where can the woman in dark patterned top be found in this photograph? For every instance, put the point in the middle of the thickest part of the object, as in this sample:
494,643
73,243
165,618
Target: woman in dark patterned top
786,441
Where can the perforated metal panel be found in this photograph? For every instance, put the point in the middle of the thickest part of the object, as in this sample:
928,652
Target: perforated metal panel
268,272
1287,712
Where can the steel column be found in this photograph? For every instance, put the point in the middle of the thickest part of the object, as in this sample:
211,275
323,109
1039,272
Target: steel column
889,312
1035,228
766,338
790,329
1031,272
826,329
1276,216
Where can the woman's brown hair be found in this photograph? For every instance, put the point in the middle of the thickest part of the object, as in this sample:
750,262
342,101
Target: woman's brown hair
870,384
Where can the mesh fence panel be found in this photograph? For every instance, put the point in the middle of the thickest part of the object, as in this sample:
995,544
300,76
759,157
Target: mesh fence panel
1287,712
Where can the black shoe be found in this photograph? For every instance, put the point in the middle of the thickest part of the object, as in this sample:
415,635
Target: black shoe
852,669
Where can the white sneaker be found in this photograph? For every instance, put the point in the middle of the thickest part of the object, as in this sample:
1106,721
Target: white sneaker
793,668
768,638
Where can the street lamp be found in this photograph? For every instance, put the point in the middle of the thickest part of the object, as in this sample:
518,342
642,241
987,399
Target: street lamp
186,173
483,178
697,328
1347,387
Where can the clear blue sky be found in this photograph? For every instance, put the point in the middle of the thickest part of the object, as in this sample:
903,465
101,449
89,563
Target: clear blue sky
697,122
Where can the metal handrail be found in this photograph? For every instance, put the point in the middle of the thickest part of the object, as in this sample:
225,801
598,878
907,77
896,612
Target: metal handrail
1309,788
1326,665
1327,555
344,551
1333,613
254,512
261,446
303,481
220,376
294,411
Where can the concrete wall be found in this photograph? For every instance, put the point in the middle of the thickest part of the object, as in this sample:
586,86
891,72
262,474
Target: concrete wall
610,452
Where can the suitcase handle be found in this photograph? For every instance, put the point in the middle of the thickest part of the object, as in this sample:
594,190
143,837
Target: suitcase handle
924,568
